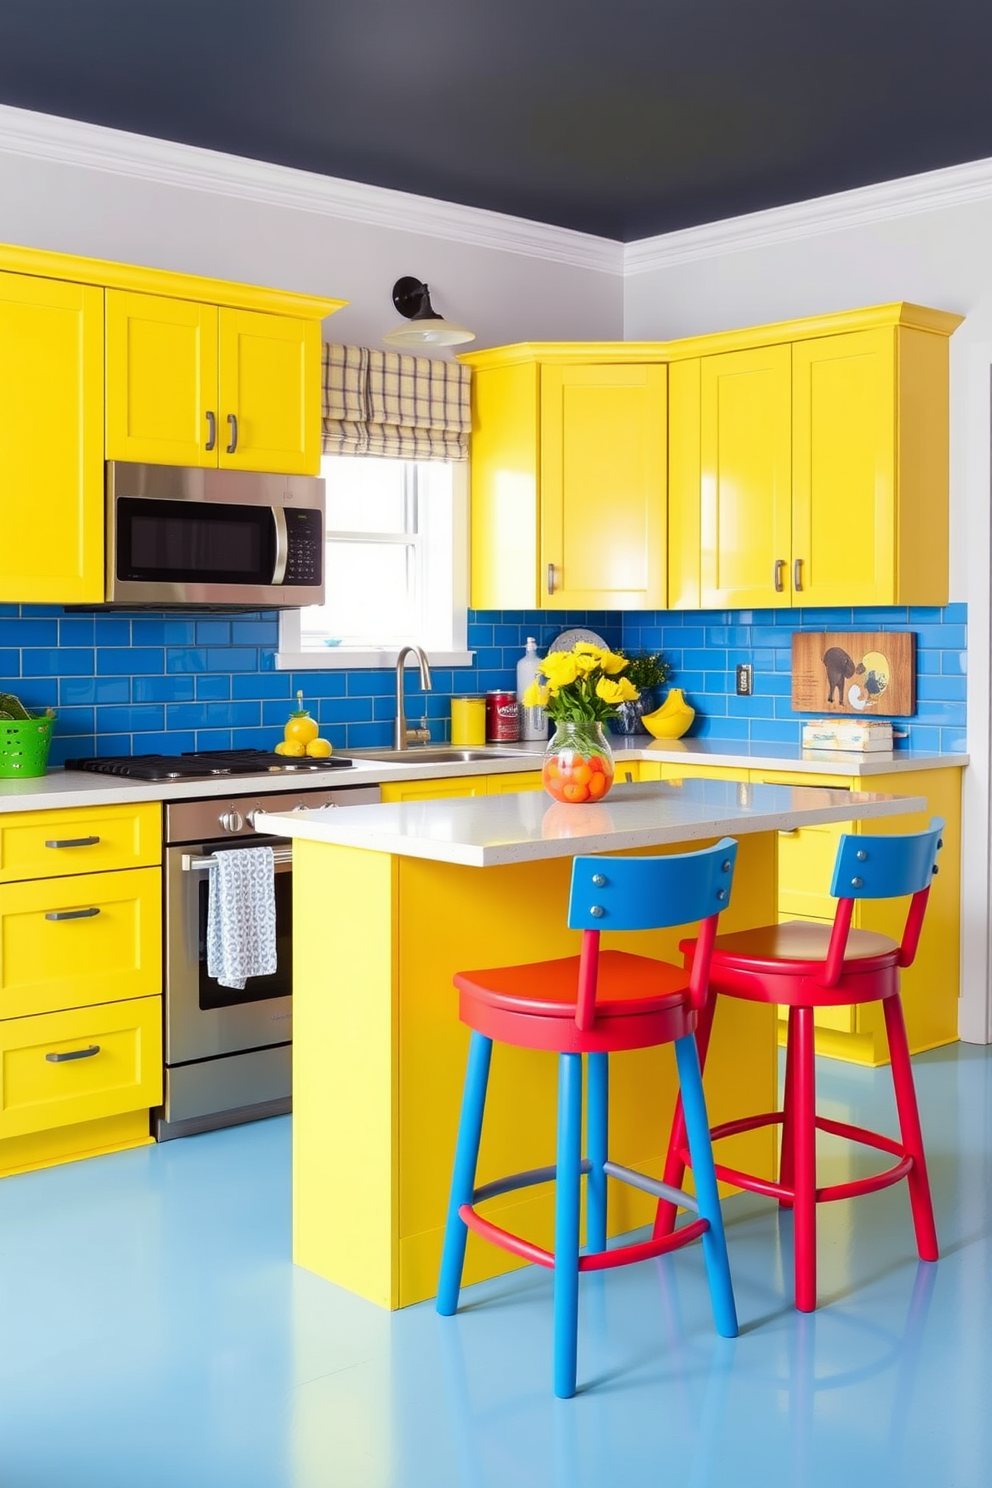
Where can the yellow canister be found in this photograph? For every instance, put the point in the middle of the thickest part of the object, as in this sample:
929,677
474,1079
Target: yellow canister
468,721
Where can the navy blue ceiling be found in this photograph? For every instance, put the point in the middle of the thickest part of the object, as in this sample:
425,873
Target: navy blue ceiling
623,118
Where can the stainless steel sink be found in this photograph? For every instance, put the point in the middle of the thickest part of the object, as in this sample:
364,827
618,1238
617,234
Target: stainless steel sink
417,755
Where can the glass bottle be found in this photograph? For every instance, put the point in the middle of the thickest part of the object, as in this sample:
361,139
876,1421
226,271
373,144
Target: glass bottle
578,762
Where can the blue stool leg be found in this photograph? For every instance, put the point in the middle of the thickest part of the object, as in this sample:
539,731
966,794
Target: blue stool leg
701,1151
597,1148
567,1192
480,1052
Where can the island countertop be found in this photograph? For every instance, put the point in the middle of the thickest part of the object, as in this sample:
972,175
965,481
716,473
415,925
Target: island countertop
487,831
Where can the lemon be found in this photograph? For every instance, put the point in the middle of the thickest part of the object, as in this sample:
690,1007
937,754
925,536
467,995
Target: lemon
319,748
291,747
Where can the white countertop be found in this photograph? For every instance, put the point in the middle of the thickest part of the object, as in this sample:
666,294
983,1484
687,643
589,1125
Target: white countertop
69,788
485,831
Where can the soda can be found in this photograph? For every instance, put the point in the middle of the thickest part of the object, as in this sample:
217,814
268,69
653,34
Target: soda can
502,717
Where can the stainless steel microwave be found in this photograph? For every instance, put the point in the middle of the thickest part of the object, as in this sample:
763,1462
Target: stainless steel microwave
185,536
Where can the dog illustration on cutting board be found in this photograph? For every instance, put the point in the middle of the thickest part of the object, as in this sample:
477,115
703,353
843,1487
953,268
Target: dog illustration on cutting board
840,669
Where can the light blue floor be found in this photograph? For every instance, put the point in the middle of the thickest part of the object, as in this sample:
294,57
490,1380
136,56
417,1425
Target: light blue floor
154,1332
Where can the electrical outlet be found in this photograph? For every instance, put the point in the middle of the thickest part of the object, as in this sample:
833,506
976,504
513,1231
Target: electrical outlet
745,679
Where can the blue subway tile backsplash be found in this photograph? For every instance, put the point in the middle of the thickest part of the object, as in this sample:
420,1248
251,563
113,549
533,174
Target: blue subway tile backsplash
142,683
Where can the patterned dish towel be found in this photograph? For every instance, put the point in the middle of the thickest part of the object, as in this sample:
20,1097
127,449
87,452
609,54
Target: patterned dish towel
241,916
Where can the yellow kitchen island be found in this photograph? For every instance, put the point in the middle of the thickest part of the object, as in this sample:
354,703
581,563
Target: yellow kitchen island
389,901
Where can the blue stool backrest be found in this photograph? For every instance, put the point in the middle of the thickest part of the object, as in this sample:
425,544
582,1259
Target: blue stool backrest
886,867
651,893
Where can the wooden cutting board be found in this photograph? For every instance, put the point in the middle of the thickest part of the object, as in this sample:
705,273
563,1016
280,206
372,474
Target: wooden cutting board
864,673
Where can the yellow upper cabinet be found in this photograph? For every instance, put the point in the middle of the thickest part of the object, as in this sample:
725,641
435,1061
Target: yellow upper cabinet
195,384
196,372
568,478
51,440
811,468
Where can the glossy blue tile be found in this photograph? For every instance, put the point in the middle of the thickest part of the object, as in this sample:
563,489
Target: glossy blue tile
255,632
346,710
79,690
164,689
185,659
254,685
158,631
113,630
212,687
219,715
314,684
130,660
232,659
953,614
77,630
942,637
213,632
130,720
29,632
10,663
213,738
74,721
72,662
368,736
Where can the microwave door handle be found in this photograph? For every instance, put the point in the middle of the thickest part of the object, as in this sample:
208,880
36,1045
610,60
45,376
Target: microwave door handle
282,545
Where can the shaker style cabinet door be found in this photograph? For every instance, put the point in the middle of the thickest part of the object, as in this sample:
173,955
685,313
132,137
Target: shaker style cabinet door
51,441
603,475
843,470
161,380
270,393
745,479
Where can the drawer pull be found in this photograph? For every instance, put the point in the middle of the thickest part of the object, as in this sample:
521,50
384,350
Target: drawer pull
74,842
73,1054
71,914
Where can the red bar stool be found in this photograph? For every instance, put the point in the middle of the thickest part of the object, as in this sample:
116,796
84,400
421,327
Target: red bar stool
596,1004
806,966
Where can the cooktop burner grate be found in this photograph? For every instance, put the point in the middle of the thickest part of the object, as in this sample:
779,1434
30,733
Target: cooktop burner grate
205,765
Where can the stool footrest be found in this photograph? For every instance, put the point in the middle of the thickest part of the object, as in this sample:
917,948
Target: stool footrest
527,1179
601,1260
785,1193
654,1186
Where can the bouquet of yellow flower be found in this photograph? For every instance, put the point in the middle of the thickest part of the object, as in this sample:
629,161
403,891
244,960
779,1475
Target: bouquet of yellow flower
584,684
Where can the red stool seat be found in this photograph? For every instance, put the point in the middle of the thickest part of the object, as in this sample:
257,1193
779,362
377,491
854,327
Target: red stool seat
639,1002
794,953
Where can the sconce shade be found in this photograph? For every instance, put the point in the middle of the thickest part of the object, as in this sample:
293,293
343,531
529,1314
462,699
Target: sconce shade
424,326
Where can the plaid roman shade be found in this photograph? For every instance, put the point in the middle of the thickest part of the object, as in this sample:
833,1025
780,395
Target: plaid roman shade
384,403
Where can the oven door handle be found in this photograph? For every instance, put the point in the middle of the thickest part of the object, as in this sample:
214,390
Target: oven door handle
282,545
281,857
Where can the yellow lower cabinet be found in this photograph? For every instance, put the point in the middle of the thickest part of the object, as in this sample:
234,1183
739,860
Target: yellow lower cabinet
69,942
87,1077
84,839
429,790
519,780
805,871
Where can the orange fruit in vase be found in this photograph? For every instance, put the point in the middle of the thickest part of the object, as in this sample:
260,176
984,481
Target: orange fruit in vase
576,792
598,786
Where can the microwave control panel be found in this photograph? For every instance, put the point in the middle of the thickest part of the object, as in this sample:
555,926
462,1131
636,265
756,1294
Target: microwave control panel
305,548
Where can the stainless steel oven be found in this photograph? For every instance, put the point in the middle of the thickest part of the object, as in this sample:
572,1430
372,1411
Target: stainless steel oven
227,1052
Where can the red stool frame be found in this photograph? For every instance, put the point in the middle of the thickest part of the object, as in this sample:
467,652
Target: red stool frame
806,966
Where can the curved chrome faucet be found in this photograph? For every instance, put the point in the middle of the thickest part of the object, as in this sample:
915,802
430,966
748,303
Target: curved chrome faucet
403,735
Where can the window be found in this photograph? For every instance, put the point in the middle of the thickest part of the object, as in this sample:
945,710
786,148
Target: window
396,566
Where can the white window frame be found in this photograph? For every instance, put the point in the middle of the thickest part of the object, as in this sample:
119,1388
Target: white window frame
447,641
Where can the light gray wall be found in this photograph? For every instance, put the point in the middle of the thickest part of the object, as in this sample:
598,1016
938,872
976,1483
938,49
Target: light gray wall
501,294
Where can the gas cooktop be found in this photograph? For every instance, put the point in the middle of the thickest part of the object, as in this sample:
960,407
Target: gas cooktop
205,765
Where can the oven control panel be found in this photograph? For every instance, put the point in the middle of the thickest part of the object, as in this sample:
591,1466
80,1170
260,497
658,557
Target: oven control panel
233,816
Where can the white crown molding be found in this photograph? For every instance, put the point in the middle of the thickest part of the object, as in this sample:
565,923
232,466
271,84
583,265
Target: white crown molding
72,142
909,196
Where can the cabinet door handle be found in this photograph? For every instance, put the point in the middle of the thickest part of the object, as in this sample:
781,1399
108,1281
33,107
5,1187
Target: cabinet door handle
232,419
779,575
551,578
211,429
797,575
73,1054
73,842
71,914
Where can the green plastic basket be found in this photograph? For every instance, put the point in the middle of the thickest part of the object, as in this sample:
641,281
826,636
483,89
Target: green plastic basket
24,747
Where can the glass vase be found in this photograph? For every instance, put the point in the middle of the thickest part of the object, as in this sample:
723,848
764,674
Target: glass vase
578,762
